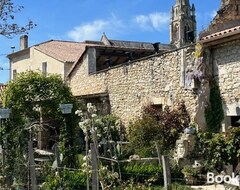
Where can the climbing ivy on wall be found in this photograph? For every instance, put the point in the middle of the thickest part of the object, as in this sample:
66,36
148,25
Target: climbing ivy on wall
214,113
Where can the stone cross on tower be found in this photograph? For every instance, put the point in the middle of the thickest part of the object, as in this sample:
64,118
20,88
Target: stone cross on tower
183,23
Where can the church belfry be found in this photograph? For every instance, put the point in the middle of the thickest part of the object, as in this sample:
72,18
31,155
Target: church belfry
182,23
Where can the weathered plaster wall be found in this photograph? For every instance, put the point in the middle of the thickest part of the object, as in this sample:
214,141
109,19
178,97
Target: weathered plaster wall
53,66
226,59
33,59
156,80
21,62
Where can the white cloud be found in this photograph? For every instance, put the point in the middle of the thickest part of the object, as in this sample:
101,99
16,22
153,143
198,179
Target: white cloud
155,21
88,31
142,20
113,26
93,30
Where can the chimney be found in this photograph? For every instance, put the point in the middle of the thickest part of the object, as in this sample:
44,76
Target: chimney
23,42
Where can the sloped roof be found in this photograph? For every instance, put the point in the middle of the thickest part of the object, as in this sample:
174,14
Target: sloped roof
117,49
64,51
133,44
221,34
138,45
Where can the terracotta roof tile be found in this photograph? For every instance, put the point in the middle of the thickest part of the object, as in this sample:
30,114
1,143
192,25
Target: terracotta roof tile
64,51
221,34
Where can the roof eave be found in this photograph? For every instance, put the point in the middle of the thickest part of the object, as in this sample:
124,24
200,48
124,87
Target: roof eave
215,40
14,54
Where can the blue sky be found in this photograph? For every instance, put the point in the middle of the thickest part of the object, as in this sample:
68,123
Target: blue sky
79,20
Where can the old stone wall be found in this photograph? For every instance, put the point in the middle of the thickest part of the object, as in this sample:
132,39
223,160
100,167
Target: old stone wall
155,80
82,83
226,59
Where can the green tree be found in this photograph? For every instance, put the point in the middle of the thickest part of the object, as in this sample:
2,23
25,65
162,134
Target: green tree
34,100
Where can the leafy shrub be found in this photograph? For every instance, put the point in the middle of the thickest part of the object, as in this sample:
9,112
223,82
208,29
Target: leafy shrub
69,180
142,136
161,127
140,172
219,149
109,127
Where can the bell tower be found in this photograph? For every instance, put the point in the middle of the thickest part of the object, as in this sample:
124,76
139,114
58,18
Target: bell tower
182,23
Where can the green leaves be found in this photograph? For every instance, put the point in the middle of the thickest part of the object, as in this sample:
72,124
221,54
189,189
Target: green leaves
34,97
163,127
220,149
214,111
31,90
69,180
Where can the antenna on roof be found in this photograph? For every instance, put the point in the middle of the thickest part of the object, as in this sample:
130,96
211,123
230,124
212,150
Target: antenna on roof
13,48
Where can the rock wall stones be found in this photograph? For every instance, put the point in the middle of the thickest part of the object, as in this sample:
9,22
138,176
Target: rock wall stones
226,59
82,83
155,80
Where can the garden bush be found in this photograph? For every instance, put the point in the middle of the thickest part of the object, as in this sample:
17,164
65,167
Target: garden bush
219,149
158,127
68,180
140,172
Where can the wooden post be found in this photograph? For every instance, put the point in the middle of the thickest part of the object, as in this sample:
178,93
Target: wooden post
43,134
57,155
32,165
166,173
94,159
158,153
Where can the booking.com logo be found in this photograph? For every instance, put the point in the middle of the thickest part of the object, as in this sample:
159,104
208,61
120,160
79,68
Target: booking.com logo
234,179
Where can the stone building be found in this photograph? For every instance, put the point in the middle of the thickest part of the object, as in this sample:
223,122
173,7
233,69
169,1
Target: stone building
159,79
121,77
222,40
163,78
